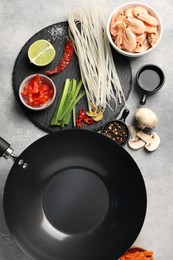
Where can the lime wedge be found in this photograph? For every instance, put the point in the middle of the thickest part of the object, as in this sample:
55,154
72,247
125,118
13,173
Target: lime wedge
41,52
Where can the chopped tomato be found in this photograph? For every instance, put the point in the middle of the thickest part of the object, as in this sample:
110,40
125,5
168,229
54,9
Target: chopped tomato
37,92
35,87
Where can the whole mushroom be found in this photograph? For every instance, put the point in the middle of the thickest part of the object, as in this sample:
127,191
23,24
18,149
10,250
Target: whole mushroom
146,118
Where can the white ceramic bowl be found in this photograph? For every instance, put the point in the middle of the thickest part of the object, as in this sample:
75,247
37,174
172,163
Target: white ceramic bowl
123,7
44,79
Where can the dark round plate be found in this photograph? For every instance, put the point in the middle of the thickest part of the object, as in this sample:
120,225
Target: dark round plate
82,196
57,34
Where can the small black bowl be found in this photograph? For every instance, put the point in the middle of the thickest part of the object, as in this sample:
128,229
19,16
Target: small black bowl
117,130
150,78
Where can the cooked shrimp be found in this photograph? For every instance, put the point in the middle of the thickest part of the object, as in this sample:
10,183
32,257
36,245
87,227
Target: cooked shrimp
139,10
152,38
117,27
119,15
121,30
119,40
129,40
114,25
150,28
137,25
142,47
140,38
129,12
142,14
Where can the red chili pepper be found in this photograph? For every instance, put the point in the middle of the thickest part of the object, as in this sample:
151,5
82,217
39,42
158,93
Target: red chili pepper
81,114
88,120
78,123
83,118
68,53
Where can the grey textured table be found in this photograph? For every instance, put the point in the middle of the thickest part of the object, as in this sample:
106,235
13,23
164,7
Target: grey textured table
19,20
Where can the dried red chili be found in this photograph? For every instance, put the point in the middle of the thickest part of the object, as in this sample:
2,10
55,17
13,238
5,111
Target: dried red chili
68,53
82,117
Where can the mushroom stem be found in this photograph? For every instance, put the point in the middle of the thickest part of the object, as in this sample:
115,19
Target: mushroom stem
152,141
135,142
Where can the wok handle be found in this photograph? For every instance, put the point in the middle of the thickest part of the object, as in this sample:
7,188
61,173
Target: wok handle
6,151
3,146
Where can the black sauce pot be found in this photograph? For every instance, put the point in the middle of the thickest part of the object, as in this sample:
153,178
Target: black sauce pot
117,130
150,78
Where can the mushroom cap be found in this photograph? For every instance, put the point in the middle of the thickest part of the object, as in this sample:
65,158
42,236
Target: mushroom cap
146,118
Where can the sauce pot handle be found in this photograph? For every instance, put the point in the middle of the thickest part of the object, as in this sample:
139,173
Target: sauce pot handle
124,115
143,99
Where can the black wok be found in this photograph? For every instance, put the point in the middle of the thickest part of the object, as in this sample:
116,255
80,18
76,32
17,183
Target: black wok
74,195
